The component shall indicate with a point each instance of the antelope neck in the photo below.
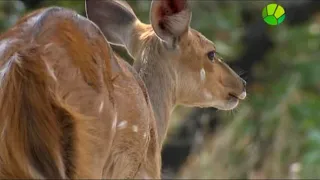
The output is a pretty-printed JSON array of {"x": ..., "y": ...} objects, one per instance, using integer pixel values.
[{"x": 159, "y": 77}]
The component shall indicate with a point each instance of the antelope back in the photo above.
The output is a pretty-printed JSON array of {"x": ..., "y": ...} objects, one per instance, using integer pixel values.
[{"x": 56, "y": 97}]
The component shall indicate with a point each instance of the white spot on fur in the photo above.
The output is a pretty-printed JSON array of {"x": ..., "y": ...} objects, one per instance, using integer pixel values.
[
  {"x": 243, "y": 95},
  {"x": 101, "y": 106},
  {"x": 202, "y": 74},
  {"x": 114, "y": 123},
  {"x": 6, "y": 67},
  {"x": 122, "y": 125},
  {"x": 51, "y": 72},
  {"x": 144, "y": 135},
  {"x": 81, "y": 17},
  {"x": 3, "y": 133},
  {"x": 34, "y": 19},
  {"x": 207, "y": 94},
  {"x": 135, "y": 128},
  {"x": 4, "y": 70},
  {"x": 3, "y": 46}
]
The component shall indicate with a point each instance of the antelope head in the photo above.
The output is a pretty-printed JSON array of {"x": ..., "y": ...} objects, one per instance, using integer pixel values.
[{"x": 198, "y": 76}]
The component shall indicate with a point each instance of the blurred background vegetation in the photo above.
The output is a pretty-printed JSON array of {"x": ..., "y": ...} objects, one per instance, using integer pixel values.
[{"x": 275, "y": 133}]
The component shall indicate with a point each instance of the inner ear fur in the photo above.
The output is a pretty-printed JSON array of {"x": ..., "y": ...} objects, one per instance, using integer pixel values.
[{"x": 170, "y": 19}]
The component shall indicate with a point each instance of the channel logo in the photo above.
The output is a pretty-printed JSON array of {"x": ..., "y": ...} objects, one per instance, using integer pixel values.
[{"x": 273, "y": 14}]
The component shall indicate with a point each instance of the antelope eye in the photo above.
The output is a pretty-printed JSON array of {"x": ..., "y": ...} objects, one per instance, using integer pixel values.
[{"x": 211, "y": 55}]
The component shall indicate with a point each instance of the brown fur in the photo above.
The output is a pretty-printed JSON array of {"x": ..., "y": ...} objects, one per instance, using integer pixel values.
[
  {"x": 71, "y": 108},
  {"x": 50, "y": 125},
  {"x": 63, "y": 92}
]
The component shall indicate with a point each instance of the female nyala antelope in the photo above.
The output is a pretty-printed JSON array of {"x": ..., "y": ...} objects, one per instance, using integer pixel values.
[{"x": 71, "y": 108}]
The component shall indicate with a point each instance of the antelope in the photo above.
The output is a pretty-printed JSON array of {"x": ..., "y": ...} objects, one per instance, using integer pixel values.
[{"x": 70, "y": 107}]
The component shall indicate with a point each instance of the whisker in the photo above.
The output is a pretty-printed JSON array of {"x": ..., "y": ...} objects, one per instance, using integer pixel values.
[
  {"x": 229, "y": 114},
  {"x": 241, "y": 72},
  {"x": 232, "y": 113}
]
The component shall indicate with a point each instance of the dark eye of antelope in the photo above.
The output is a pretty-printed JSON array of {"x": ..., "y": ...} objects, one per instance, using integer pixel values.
[{"x": 211, "y": 55}]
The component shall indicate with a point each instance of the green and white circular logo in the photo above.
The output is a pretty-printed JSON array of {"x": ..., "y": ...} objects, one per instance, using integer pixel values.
[{"x": 273, "y": 14}]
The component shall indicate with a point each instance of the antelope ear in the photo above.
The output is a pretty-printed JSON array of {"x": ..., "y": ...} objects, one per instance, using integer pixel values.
[
  {"x": 115, "y": 18},
  {"x": 170, "y": 19}
]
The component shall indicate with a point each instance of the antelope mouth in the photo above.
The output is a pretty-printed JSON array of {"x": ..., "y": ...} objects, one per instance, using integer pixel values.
[{"x": 233, "y": 96}]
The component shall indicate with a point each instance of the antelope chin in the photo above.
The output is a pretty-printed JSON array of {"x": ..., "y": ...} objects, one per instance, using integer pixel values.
[{"x": 227, "y": 104}]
